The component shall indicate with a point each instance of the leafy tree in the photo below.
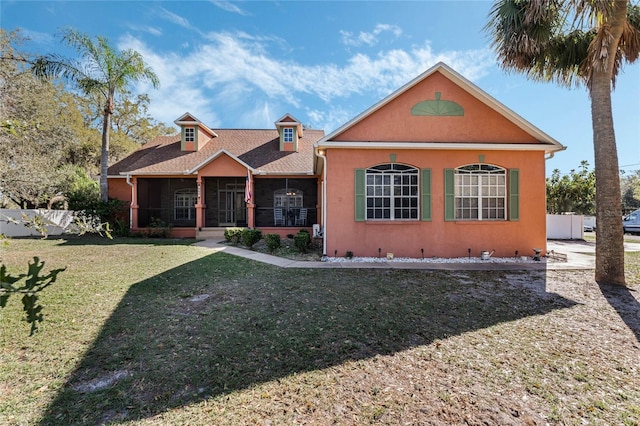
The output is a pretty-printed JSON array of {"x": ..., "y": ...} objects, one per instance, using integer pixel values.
[
  {"x": 630, "y": 187},
  {"x": 574, "y": 192},
  {"x": 39, "y": 131},
  {"x": 573, "y": 42},
  {"x": 101, "y": 71}
]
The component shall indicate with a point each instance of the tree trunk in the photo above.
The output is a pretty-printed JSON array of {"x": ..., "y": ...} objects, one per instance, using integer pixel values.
[
  {"x": 610, "y": 236},
  {"x": 104, "y": 158}
]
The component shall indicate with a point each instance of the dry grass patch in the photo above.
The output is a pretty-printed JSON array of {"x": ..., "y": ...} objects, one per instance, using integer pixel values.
[{"x": 140, "y": 332}]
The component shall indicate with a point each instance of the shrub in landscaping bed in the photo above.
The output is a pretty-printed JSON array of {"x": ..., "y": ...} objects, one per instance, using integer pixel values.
[
  {"x": 302, "y": 240},
  {"x": 272, "y": 241},
  {"x": 233, "y": 235},
  {"x": 250, "y": 236}
]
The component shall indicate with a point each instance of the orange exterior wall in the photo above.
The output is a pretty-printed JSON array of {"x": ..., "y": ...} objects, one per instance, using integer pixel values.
[
  {"x": 223, "y": 166},
  {"x": 394, "y": 122},
  {"x": 120, "y": 189},
  {"x": 437, "y": 237}
]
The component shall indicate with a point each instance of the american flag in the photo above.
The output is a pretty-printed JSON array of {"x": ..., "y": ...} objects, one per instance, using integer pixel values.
[{"x": 247, "y": 188}]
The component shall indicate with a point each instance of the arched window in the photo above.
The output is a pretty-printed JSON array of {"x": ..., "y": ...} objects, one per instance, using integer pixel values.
[
  {"x": 288, "y": 198},
  {"x": 392, "y": 192},
  {"x": 480, "y": 192},
  {"x": 184, "y": 204}
]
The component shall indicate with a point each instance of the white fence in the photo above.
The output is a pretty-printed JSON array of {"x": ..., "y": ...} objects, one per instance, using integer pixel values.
[
  {"x": 565, "y": 227},
  {"x": 12, "y": 225}
]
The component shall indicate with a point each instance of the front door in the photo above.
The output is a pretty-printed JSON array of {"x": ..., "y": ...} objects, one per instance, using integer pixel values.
[{"x": 233, "y": 209}]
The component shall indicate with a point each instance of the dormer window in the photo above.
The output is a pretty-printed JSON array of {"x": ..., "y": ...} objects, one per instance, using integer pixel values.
[
  {"x": 189, "y": 134},
  {"x": 287, "y": 134}
]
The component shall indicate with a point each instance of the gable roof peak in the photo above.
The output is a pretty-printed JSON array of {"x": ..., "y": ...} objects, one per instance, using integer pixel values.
[
  {"x": 466, "y": 85},
  {"x": 289, "y": 120},
  {"x": 190, "y": 120}
]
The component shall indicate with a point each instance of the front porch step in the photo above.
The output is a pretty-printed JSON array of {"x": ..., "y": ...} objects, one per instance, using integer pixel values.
[{"x": 210, "y": 234}]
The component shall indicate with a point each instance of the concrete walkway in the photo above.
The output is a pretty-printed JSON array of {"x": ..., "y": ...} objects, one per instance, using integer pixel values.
[{"x": 580, "y": 255}]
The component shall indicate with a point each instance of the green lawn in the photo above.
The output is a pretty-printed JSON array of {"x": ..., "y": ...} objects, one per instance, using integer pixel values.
[{"x": 162, "y": 332}]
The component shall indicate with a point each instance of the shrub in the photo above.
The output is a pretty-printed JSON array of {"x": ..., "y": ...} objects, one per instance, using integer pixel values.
[
  {"x": 302, "y": 240},
  {"x": 348, "y": 254},
  {"x": 250, "y": 236},
  {"x": 272, "y": 241},
  {"x": 233, "y": 235},
  {"x": 158, "y": 228}
]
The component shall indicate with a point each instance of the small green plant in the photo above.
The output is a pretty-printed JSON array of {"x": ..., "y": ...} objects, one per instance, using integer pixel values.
[
  {"x": 250, "y": 236},
  {"x": 302, "y": 240},
  {"x": 348, "y": 254},
  {"x": 272, "y": 241},
  {"x": 158, "y": 228},
  {"x": 233, "y": 235},
  {"x": 33, "y": 284}
]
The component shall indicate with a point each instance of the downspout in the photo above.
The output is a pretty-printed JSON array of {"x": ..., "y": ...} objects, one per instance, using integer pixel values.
[
  {"x": 320, "y": 153},
  {"x": 131, "y": 203}
]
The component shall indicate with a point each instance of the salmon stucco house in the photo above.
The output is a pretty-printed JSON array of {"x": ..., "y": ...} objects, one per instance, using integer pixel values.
[{"x": 437, "y": 168}]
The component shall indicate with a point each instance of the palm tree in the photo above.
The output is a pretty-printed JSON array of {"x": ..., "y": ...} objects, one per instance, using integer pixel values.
[
  {"x": 574, "y": 42},
  {"x": 100, "y": 71}
]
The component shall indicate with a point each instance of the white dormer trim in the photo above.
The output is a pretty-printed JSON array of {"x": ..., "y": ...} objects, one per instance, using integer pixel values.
[
  {"x": 293, "y": 122},
  {"x": 183, "y": 121}
]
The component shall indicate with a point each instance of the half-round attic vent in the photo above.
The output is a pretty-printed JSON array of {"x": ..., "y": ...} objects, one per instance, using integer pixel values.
[{"x": 437, "y": 107}]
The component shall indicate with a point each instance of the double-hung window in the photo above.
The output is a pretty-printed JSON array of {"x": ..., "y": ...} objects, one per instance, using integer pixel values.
[
  {"x": 185, "y": 202},
  {"x": 480, "y": 192},
  {"x": 392, "y": 192}
]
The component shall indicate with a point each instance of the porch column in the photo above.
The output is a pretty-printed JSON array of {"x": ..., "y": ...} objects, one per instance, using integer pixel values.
[
  {"x": 200, "y": 206},
  {"x": 133, "y": 220},
  {"x": 251, "y": 206}
]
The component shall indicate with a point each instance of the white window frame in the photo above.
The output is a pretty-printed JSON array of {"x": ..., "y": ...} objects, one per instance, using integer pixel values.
[
  {"x": 480, "y": 192},
  {"x": 392, "y": 192},
  {"x": 288, "y": 198},
  {"x": 184, "y": 207},
  {"x": 287, "y": 134},
  {"x": 189, "y": 134}
]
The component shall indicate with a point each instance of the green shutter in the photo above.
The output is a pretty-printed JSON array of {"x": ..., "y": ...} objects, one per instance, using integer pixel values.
[
  {"x": 181, "y": 138},
  {"x": 360, "y": 197},
  {"x": 426, "y": 194},
  {"x": 514, "y": 194},
  {"x": 449, "y": 195}
]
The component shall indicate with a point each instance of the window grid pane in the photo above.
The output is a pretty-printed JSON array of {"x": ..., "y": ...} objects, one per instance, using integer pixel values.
[
  {"x": 185, "y": 205},
  {"x": 480, "y": 192},
  {"x": 392, "y": 192}
]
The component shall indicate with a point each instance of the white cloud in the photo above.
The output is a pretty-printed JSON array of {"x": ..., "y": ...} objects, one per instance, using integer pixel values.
[
  {"x": 237, "y": 76},
  {"x": 369, "y": 38},
  {"x": 146, "y": 28},
  {"x": 38, "y": 37},
  {"x": 328, "y": 119},
  {"x": 228, "y": 6},
  {"x": 176, "y": 19}
]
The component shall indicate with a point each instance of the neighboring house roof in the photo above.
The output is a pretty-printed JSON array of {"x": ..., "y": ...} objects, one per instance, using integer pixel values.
[
  {"x": 259, "y": 150},
  {"x": 545, "y": 142}
]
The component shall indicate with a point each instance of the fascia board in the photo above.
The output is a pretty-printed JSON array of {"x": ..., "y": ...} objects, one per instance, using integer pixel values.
[{"x": 457, "y": 146}]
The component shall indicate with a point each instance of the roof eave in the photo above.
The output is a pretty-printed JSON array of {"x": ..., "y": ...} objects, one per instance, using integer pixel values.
[{"x": 456, "y": 146}]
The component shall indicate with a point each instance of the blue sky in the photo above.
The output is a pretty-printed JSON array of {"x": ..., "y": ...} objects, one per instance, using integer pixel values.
[{"x": 244, "y": 64}]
